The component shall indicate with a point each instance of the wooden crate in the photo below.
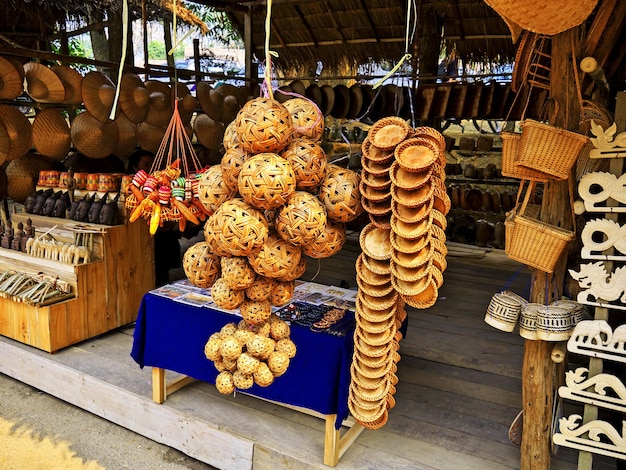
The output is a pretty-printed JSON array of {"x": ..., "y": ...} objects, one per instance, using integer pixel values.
[{"x": 108, "y": 290}]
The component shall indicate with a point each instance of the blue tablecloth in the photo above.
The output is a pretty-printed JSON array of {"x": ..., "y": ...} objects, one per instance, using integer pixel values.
[{"x": 171, "y": 335}]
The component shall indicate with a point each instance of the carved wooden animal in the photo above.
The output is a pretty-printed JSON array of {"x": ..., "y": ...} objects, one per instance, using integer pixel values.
[
  {"x": 61, "y": 205},
  {"x": 96, "y": 208},
  {"x": 71, "y": 211},
  {"x": 108, "y": 214},
  {"x": 599, "y": 284},
  {"x": 40, "y": 200},
  {"x": 29, "y": 203},
  {"x": 82, "y": 212},
  {"x": 48, "y": 206}
]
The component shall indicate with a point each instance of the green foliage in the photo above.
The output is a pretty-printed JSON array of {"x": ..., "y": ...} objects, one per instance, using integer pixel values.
[
  {"x": 220, "y": 28},
  {"x": 156, "y": 51},
  {"x": 78, "y": 47}
]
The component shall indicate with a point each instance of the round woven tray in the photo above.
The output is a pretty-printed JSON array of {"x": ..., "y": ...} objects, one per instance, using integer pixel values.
[
  {"x": 411, "y": 273},
  {"x": 416, "y": 154},
  {"x": 410, "y": 288},
  {"x": 409, "y": 179},
  {"x": 380, "y": 182},
  {"x": 430, "y": 133},
  {"x": 329, "y": 243},
  {"x": 377, "y": 208},
  {"x": 375, "y": 290},
  {"x": 201, "y": 265},
  {"x": 378, "y": 303},
  {"x": 411, "y": 214},
  {"x": 367, "y": 382},
  {"x": 376, "y": 168},
  {"x": 424, "y": 299},
  {"x": 263, "y": 125},
  {"x": 368, "y": 275},
  {"x": 302, "y": 219},
  {"x": 238, "y": 228},
  {"x": 380, "y": 221},
  {"x": 411, "y": 230},
  {"x": 375, "y": 242},
  {"x": 388, "y": 132},
  {"x": 414, "y": 197},
  {"x": 213, "y": 190},
  {"x": 374, "y": 315},
  {"x": 375, "y": 154},
  {"x": 339, "y": 192},
  {"x": 308, "y": 161},
  {"x": 266, "y": 181},
  {"x": 376, "y": 266},
  {"x": 374, "y": 362},
  {"x": 276, "y": 258}
]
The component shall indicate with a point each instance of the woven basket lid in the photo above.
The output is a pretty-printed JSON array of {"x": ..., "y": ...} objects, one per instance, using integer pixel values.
[
  {"x": 308, "y": 161},
  {"x": 16, "y": 135},
  {"x": 376, "y": 265},
  {"x": 92, "y": 137},
  {"x": 376, "y": 290},
  {"x": 11, "y": 79},
  {"x": 374, "y": 167},
  {"x": 411, "y": 214},
  {"x": 416, "y": 154},
  {"x": 127, "y": 136},
  {"x": 424, "y": 299},
  {"x": 42, "y": 84},
  {"x": 379, "y": 303},
  {"x": 379, "y": 209},
  {"x": 329, "y": 243},
  {"x": 302, "y": 219},
  {"x": 150, "y": 137},
  {"x": 161, "y": 108},
  {"x": 315, "y": 94},
  {"x": 376, "y": 339},
  {"x": 341, "y": 106},
  {"x": 51, "y": 134},
  {"x": 411, "y": 230},
  {"x": 23, "y": 173},
  {"x": 328, "y": 99},
  {"x": 306, "y": 118},
  {"x": 98, "y": 95},
  {"x": 134, "y": 98},
  {"x": 369, "y": 276},
  {"x": 544, "y": 17},
  {"x": 401, "y": 244},
  {"x": 388, "y": 132},
  {"x": 409, "y": 179},
  {"x": 276, "y": 258},
  {"x": 263, "y": 125},
  {"x": 411, "y": 273},
  {"x": 210, "y": 133},
  {"x": 72, "y": 82},
  {"x": 375, "y": 242}
]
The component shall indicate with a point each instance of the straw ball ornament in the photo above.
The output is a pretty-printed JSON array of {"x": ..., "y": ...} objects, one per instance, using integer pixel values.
[
  {"x": 296, "y": 271},
  {"x": 263, "y": 125},
  {"x": 127, "y": 136},
  {"x": 339, "y": 192},
  {"x": 239, "y": 229},
  {"x": 212, "y": 349},
  {"x": 302, "y": 219},
  {"x": 213, "y": 190},
  {"x": 329, "y": 243},
  {"x": 230, "y": 348},
  {"x": 225, "y": 297},
  {"x": 134, "y": 98},
  {"x": 262, "y": 329},
  {"x": 11, "y": 79},
  {"x": 282, "y": 293},
  {"x": 242, "y": 381},
  {"x": 16, "y": 133},
  {"x": 72, "y": 82},
  {"x": 201, "y": 265},
  {"x": 98, "y": 92},
  {"x": 278, "y": 362},
  {"x": 229, "y": 329},
  {"x": 263, "y": 376},
  {"x": 260, "y": 289},
  {"x": 224, "y": 383},
  {"x": 209, "y": 132},
  {"x": 308, "y": 161},
  {"x": 231, "y": 164},
  {"x": 92, "y": 137},
  {"x": 306, "y": 118},
  {"x": 266, "y": 181},
  {"x": 276, "y": 258},
  {"x": 23, "y": 174},
  {"x": 287, "y": 346},
  {"x": 279, "y": 330},
  {"x": 160, "y": 103},
  {"x": 255, "y": 312},
  {"x": 237, "y": 272},
  {"x": 42, "y": 84},
  {"x": 247, "y": 364},
  {"x": 243, "y": 333}
]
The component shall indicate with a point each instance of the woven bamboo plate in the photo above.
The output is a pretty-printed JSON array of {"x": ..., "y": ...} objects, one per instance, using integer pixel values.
[
  {"x": 409, "y": 245},
  {"x": 375, "y": 290},
  {"x": 416, "y": 154},
  {"x": 410, "y": 288},
  {"x": 378, "y": 303},
  {"x": 411, "y": 230},
  {"x": 373, "y": 372},
  {"x": 413, "y": 197},
  {"x": 375, "y": 326},
  {"x": 374, "y": 181},
  {"x": 432, "y": 134},
  {"x": 388, "y": 132},
  {"x": 411, "y": 214},
  {"x": 424, "y": 299},
  {"x": 411, "y": 273},
  {"x": 381, "y": 221},
  {"x": 375, "y": 242},
  {"x": 377, "y": 208},
  {"x": 368, "y": 275},
  {"x": 375, "y": 154},
  {"x": 375, "y": 314},
  {"x": 409, "y": 179},
  {"x": 371, "y": 395},
  {"x": 368, "y": 382},
  {"x": 374, "y": 194},
  {"x": 439, "y": 219},
  {"x": 377, "y": 266},
  {"x": 376, "y": 168},
  {"x": 376, "y": 339},
  {"x": 441, "y": 200}
]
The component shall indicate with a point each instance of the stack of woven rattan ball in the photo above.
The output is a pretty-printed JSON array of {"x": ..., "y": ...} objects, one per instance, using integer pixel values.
[
  {"x": 274, "y": 200},
  {"x": 403, "y": 254}
]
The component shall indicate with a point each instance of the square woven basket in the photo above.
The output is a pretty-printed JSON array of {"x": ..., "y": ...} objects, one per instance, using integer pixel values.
[{"x": 510, "y": 160}]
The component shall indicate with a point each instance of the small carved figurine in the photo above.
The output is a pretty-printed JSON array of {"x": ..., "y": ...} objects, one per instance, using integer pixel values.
[
  {"x": 61, "y": 205},
  {"x": 7, "y": 236},
  {"x": 96, "y": 208},
  {"x": 17, "y": 238},
  {"x": 48, "y": 206}
]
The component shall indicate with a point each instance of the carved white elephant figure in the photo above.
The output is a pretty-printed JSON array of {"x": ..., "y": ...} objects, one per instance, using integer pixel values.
[
  {"x": 596, "y": 332},
  {"x": 619, "y": 337}
]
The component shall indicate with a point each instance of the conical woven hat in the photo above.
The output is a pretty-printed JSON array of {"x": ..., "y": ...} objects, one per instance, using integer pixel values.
[
  {"x": 128, "y": 139},
  {"x": 51, "y": 134},
  {"x": 187, "y": 103},
  {"x": 356, "y": 101},
  {"x": 72, "y": 81},
  {"x": 150, "y": 137},
  {"x": 42, "y": 84},
  {"x": 11, "y": 79},
  {"x": 210, "y": 100},
  {"x": 134, "y": 98},
  {"x": 314, "y": 93},
  {"x": 18, "y": 130},
  {"x": 342, "y": 102},
  {"x": 209, "y": 132},
  {"x": 92, "y": 137},
  {"x": 328, "y": 99},
  {"x": 160, "y": 103},
  {"x": 5, "y": 143},
  {"x": 98, "y": 94}
]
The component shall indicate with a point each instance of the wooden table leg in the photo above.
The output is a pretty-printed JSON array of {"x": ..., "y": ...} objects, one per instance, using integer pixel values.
[
  {"x": 158, "y": 385},
  {"x": 335, "y": 445}
]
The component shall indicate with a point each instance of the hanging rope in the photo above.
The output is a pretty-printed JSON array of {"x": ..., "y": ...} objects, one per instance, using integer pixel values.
[
  {"x": 120, "y": 71},
  {"x": 268, "y": 54}
]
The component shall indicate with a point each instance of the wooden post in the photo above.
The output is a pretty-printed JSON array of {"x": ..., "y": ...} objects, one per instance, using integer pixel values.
[{"x": 537, "y": 370}]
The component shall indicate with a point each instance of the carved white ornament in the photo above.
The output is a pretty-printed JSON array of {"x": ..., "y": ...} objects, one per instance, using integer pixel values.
[
  {"x": 595, "y": 338},
  {"x": 597, "y": 187},
  {"x": 593, "y": 391},
  {"x": 600, "y": 287},
  {"x": 610, "y": 234},
  {"x": 595, "y": 436},
  {"x": 606, "y": 143}
]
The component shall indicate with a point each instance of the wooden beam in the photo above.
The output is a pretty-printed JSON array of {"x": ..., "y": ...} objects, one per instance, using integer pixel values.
[
  {"x": 370, "y": 20},
  {"x": 306, "y": 24}
]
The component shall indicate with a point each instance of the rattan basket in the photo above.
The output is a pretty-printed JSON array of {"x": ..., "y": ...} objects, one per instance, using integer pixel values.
[
  {"x": 510, "y": 158},
  {"x": 549, "y": 149},
  {"x": 263, "y": 125},
  {"x": 503, "y": 312},
  {"x": 201, "y": 265}
]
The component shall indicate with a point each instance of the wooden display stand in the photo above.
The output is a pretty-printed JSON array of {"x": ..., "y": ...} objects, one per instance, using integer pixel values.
[{"x": 107, "y": 291}]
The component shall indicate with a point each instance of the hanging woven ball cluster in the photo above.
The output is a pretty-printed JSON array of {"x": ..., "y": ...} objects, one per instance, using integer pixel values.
[{"x": 273, "y": 201}]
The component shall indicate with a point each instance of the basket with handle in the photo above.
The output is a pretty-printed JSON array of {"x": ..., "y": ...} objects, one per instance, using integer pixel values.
[
  {"x": 531, "y": 241},
  {"x": 510, "y": 159}
]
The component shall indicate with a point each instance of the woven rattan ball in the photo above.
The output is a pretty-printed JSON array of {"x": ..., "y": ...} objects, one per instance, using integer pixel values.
[
  {"x": 278, "y": 362},
  {"x": 329, "y": 243},
  {"x": 201, "y": 265},
  {"x": 213, "y": 190},
  {"x": 282, "y": 292},
  {"x": 225, "y": 297},
  {"x": 212, "y": 349},
  {"x": 227, "y": 330},
  {"x": 257, "y": 346},
  {"x": 231, "y": 164},
  {"x": 242, "y": 381},
  {"x": 237, "y": 272},
  {"x": 243, "y": 335},
  {"x": 255, "y": 312},
  {"x": 247, "y": 364},
  {"x": 297, "y": 271},
  {"x": 287, "y": 346},
  {"x": 306, "y": 118},
  {"x": 279, "y": 329},
  {"x": 263, "y": 125},
  {"x": 229, "y": 364},
  {"x": 260, "y": 289},
  {"x": 210, "y": 238},
  {"x": 340, "y": 194},
  {"x": 276, "y": 258},
  {"x": 263, "y": 376},
  {"x": 266, "y": 181},
  {"x": 224, "y": 383},
  {"x": 239, "y": 229},
  {"x": 219, "y": 365},
  {"x": 302, "y": 219},
  {"x": 262, "y": 329},
  {"x": 308, "y": 161},
  {"x": 230, "y": 348},
  {"x": 230, "y": 140}
]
